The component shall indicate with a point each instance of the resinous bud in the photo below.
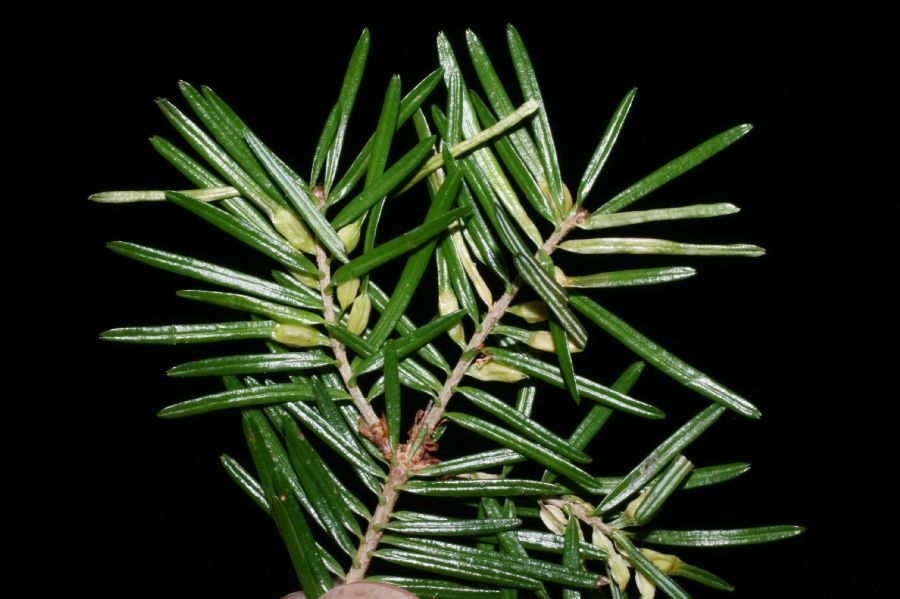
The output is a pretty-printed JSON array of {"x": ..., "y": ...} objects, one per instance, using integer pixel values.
[
  {"x": 531, "y": 312},
  {"x": 447, "y": 304},
  {"x": 346, "y": 292},
  {"x": 349, "y": 235},
  {"x": 491, "y": 371},
  {"x": 554, "y": 519},
  {"x": 293, "y": 229},
  {"x": 298, "y": 335},
  {"x": 359, "y": 314},
  {"x": 543, "y": 341}
]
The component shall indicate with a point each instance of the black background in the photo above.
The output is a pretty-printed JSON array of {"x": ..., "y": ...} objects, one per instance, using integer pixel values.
[{"x": 114, "y": 500}]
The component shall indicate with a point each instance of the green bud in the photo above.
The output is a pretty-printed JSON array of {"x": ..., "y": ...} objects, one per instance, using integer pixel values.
[
  {"x": 306, "y": 280},
  {"x": 359, "y": 314},
  {"x": 298, "y": 335},
  {"x": 346, "y": 292},
  {"x": 349, "y": 235},
  {"x": 293, "y": 229},
  {"x": 554, "y": 519},
  {"x": 543, "y": 341},
  {"x": 491, "y": 371},
  {"x": 645, "y": 586},
  {"x": 531, "y": 312},
  {"x": 447, "y": 304}
]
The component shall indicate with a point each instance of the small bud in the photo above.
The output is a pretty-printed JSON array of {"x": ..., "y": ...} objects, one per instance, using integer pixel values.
[
  {"x": 349, "y": 235},
  {"x": 598, "y": 539},
  {"x": 567, "y": 198},
  {"x": 645, "y": 586},
  {"x": 561, "y": 277},
  {"x": 491, "y": 371},
  {"x": 554, "y": 519},
  {"x": 618, "y": 567},
  {"x": 346, "y": 292},
  {"x": 633, "y": 506},
  {"x": 543, "y": 341},
  {"x": 447, "y": 304},
  {"x": 359, "y": 314},
  {"x": 666, "y": 562},
  {"x": 298, "y": 335},
  {"x": 532, "y": 312},
  {"x": 293, "y": 229},
  {"x": 306, "y": 280}
]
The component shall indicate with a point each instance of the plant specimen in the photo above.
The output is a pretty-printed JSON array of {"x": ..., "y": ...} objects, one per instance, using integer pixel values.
[{"x": 346, "y": 410}]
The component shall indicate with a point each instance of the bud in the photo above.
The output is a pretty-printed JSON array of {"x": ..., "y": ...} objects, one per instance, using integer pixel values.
[
  {"x": 306, "y": 280},
  {"x": 561, "y": 277},
  {"x": 633, "y": 506},
  {"x": 531, "y": 312},
  {"x": 349, "y": 235},
  {"x": 666, "y": 562},
  {"x": 543, "y": 341},
  {"x": 293, "y": 229},
  {"x": 491, "y": 371},
  {"x": 346, "y": 292},
  {"x": 359, "y": 314},
  {"x": 567, "y": 198},
  {"x": 554, "y": 519},
  {"x": 598, "y": 539},
  {"x": 447, "y": 304},
  {"x": 618, "y": 567},
  {"x": 645, "y": 586},
  {"x": 298, "y": 335}
]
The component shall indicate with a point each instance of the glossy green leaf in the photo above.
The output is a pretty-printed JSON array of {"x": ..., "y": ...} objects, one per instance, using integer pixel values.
[
  {"x": 522, "y": 424},
  {"x": 676, "y": 167},
  {"x": 245, "y": 481},
  {"x": 408, "y": 106},
  {"x": 208, "y": 194},
  {"x": 471, "y": 463},
  {"x": 511, "y": 564},
  {"x": 275, "y": 248},
  {"x": 486, "y": 246},
  {"x": 660, "y": 457},
  {"x": 483, "y": 159},
  {"x": 667, "y": 483},
  {"x": 682, "y": 372},
  {"x": 646, "y": 567},
  {"x": 412, "y": 273},
  {"x": 392, "y": 393},
  {"x": 514, "y": 162},
  {"x": 501, "y": 103},
  {"x": 300, "y": 198},
  {"x": 561, "y": 339},
  {"x": 253, "y": 364},
  {"x": 588, "y": 389},
  {"x": 713, "y": 475},
  {"x": 409, "y": 370},
  {"x": 314, "y": 578},
  {"x": 409, "y": 343},
  {"x": 453, "y": 528},
  {"x": 553, "y": 295},
  {"x": 529, "y": 449},
  {"x": 620, "y": 219},
  {"x": 471, "y": 569},
  {"x": 349, "y": 87},
  {"x": 543, "y": 137},
  {"x": 720, "y": 538},
  {"x": 245, "y": 303},
  {"x": 399, "y": 245},
  {"x": 551, "y": 543},
  {"x": 379, "y": 188},
  {"x": 307, "y": 463},
  {"x": 633, "y": 245},
  {"x": 333, "y": 437},
  {"x": 597, "y": 416},
  {"x": 437, "y": 589},
  {"x": 481, "y": 488},
  {"x": 326, "y": 140},
  {"x": 604, "y": 148},
  {"x": 571, "y": 556},
  {"x": 218, "y": 158},
  {"x": 629, "y": 278},
  {"x": 230, "y": 140},
  {"x": 242, "y": 398},
  {"x": 702, "y": 576},
  {"x": 509, "y": 543},
  {"x": 404, "y": 325},
  {"x": 192, "y": 333},
  {"x": 211, "y": 273}
]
